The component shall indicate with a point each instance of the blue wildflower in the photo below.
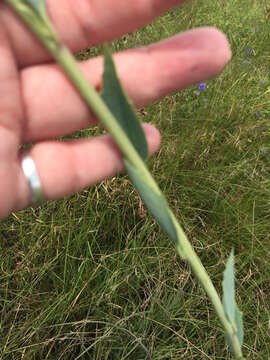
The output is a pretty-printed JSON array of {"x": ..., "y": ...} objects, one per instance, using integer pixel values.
[
  {"x": 265, "y": 151},
  {"x": 201, "y": 86},
  {"x": 257, "y": 113},
  {"x": 205, "y": 100},
  {"x": 248, "y": 50}
]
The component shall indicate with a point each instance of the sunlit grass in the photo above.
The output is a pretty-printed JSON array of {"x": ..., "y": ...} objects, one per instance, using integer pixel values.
[{"x": 93, "y": 277}]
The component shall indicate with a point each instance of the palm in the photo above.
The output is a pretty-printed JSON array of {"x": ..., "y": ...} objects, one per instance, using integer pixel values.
[{"x": 38, "y": 103}]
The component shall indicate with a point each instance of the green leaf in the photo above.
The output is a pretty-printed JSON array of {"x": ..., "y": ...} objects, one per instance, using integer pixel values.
[
  {"x": 154, "y": 201},
  {"x": 38, "y": 5},
  {"x": 229, "y": 289},
  {"x": 230, "y": 307},
  {"x": 117, "y": 101},
  {"x": 239, "y": 325}
]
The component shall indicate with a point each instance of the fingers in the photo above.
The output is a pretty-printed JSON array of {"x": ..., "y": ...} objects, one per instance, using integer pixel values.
[
  {"x": 83, "y": 23},
  {"x": 10, "y": 124},
  {"x": 67, "y": 167},
  {"x": 147, "y": 74}
]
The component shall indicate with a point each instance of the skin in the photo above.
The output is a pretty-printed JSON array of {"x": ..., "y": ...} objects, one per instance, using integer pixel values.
[{"x": 38, "y": 103}]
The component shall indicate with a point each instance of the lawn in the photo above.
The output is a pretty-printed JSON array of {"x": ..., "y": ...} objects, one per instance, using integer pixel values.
[{"x": 93, "y": 276}]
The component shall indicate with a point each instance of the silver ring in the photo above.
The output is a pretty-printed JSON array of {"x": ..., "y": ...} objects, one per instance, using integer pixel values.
[{"x": 30, "y": 172}]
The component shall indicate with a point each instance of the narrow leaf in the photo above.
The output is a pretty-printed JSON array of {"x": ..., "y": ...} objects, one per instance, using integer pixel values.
[
  {"x": 117, "y": 101},
  {"x": 38, "y": 5},
  {"x": 231, "y": 309},
  {"x": 155, "y": 202},
  {"x": 229, "y": 290},
  {"x": 239, "y": 325}
]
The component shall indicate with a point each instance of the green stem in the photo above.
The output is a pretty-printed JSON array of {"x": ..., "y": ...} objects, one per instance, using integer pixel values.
[
  {"x": 68, "y": 63},
  {"x": 201, "y": 274}
]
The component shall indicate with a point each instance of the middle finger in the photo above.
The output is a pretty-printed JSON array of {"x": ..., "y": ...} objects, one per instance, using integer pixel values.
[{"x": 147, "y": 74}]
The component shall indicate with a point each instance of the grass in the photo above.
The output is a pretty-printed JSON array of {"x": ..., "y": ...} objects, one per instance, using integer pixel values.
[{"x": 93, "y": 277}]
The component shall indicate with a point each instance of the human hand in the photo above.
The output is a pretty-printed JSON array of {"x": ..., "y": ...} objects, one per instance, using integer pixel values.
[{"x": 38, "y": 103}]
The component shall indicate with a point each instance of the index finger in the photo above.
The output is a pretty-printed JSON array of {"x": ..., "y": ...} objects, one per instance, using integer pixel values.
[{"x": 82, "y": 23}]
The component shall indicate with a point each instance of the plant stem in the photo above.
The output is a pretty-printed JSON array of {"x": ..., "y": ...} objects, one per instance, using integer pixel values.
[
  {"x": 206, "y": 283},
  {"x": 69, "y": 64}
]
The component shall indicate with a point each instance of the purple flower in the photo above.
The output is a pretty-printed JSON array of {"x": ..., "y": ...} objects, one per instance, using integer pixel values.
[
  {"x": 263, "y": 82},
  {"x": 257, "y": 113},
  {"x": 247, "y": 60},
  {"x": 248, "y": 50},
  {"x": 201, "y": 86},
  {"x": 205, "y": 100},
  {"x": 265, "y": 151}
]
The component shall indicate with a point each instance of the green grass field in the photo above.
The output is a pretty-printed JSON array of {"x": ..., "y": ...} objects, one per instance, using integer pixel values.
[{"x": 93, "y": 277}]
